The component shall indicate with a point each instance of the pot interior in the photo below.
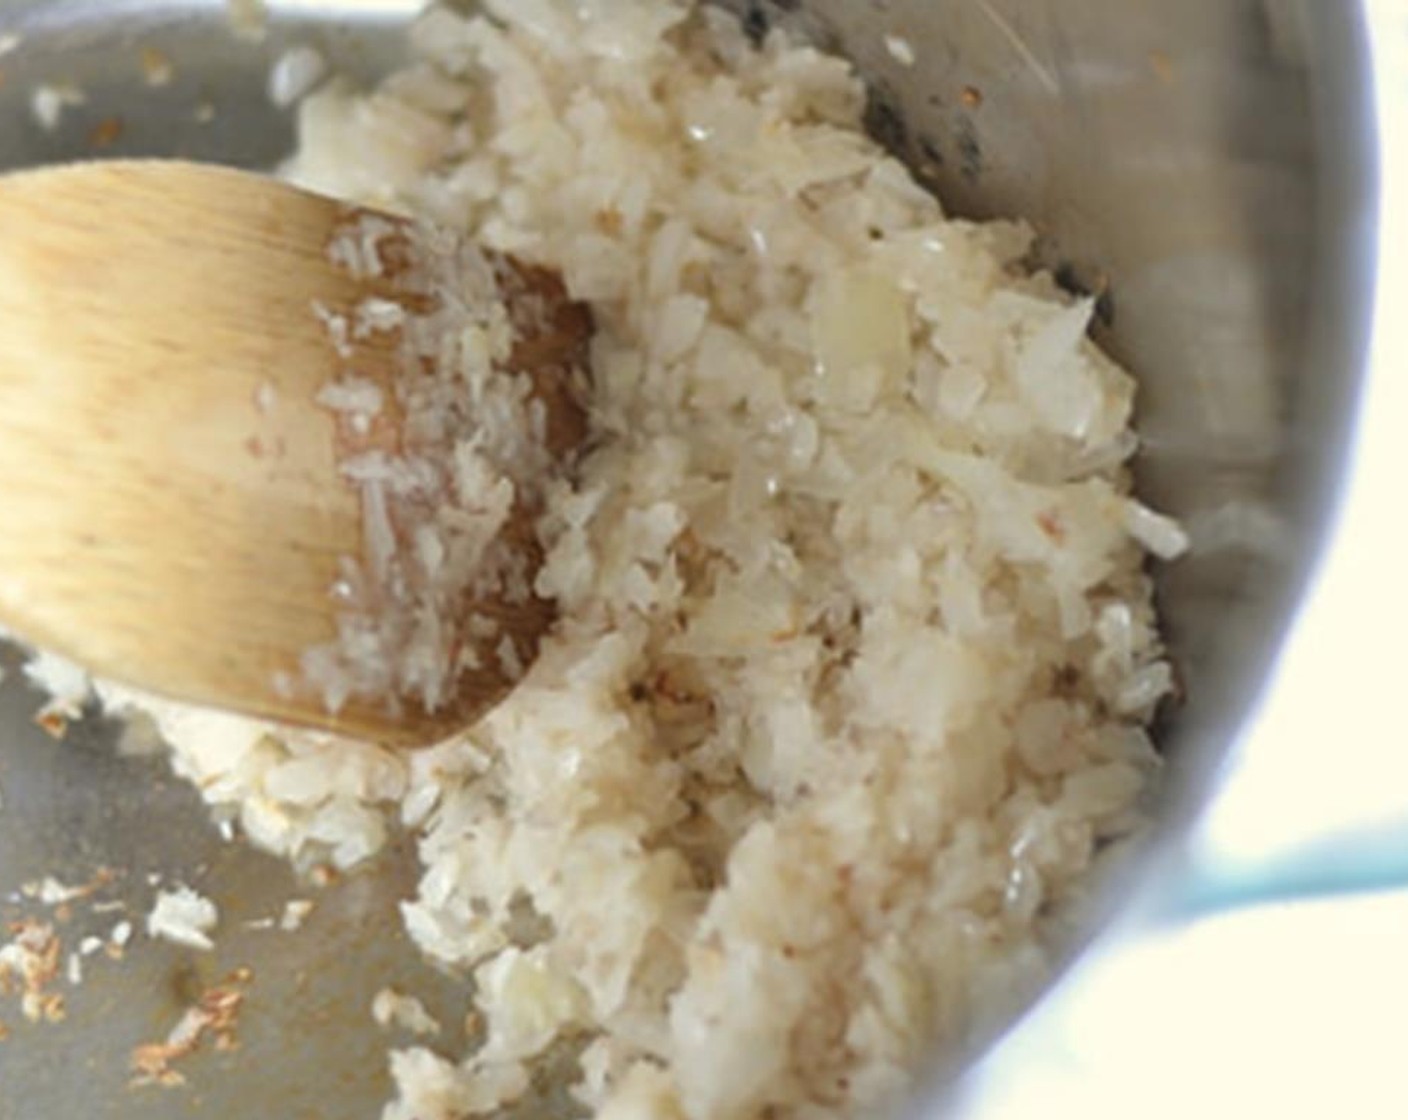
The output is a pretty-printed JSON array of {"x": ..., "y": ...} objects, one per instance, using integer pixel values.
[{"x": 1201, "y": 167}]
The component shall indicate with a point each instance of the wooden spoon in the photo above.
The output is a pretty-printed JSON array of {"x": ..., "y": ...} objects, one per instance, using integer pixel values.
[{"x": 174, "y": 515}]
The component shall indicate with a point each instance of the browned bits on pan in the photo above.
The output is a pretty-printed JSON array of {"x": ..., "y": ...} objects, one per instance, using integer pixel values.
[
  {"x": 30, "y": 965},
  {"x": 53, "y": 723},
  {"x": 972, "y": 97},
  {"x": 106, "y": 133},
  {"x": 157, "y": 69},
  {"x": 213, "y": 1016}
]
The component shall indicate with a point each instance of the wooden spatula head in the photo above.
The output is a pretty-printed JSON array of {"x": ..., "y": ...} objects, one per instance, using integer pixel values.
[{"x": 176, "y": 514}]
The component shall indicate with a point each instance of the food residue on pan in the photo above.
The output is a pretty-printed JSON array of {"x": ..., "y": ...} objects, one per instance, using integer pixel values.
[
  {"x": 391, "y": 1008},
  {"x": 30, "y": 966},
  {"x": 50, "y": 891},
  {"x": 49, "y": 100},
  {"x": 185, "y": 917},
  {"x": 118, "y": 940},
  {"x": 213, "y": 1019},
  {"x": 157, "y": 68},
  {"x": 106, "y": 133},
  {"x": 856, "y": 655},
  {"x": 1162, "y": 66},
  {"x": 50, "y": 949},
  {"x": 66, "y": 686},
  {"x": 248, "y": 19},
  {"x": 900, "y": 49},
  {"x": 295, "y": 74},
  {"x": 296, "y": 912}
]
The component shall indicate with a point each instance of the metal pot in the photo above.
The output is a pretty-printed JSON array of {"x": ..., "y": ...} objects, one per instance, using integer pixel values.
[{"x": 1206, "y": 167}]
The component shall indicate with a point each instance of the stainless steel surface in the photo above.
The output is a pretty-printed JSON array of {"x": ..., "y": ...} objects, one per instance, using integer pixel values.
[{"x": 1206, "y": 165}]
